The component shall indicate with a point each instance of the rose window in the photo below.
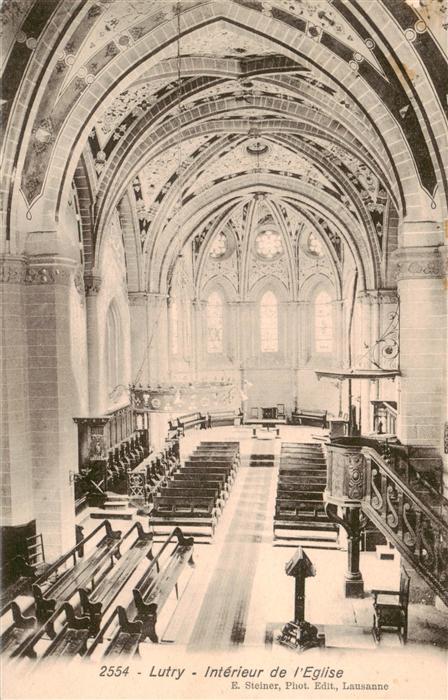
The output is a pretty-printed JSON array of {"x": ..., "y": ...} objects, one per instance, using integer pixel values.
[
  {"x": 268, "y": 244},
  {"x": 315, "y": 245},
  {"x": 219, "y": 246}
]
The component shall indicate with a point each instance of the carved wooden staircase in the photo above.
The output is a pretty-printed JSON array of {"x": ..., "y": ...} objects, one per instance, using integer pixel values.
[{"x": 413, "y": 519}]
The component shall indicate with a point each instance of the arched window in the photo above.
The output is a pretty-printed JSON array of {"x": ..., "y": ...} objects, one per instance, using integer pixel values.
[
  {"x": 215, "y": 323},
  {"x": 113, "y": 345},
  {"x": 323, "y": 323},
  {"x": 269, "y": 322}
]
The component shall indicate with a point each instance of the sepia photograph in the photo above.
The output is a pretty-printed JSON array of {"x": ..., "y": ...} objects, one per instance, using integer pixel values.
[{"x": 224, "y": 391}]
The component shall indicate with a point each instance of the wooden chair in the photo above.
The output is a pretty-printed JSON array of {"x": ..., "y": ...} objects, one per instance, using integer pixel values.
[{"x": 390, "y": 609}]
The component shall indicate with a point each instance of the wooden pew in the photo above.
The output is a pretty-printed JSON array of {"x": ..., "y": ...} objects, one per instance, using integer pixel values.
[
  {"x": 197, "y": 511},
  {"x": 191, "y": 420},
  {"x": 49, "y": 594},
  {"x": 27, "y": 648},
  {"x": 209, "y": 456},
  {"x": 302, "y": 416},
  {"x": 215, "y": 480},
  {"x": 138, "y": 620},
  {"x": 201, "y": 471},
  {"x": 215, "y": 418},
  {"x": 72, "y": 637},
  {"x": 219, "y": 487},
  {"x": 96, "y": 602},
  {"x": 291, "y": 514},
  {"x": 183, "y": 492},
  {"x": 21, "y": 628}
]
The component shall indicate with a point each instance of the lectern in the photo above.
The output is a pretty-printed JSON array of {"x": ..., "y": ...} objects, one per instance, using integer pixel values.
[{"x": 300, "y": 634}]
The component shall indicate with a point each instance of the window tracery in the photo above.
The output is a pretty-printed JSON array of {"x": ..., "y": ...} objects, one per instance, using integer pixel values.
[
  {"x": 268, "y": 244},
  {"x": 219, "y": 246},
  {"x": 314, "y": 246}
]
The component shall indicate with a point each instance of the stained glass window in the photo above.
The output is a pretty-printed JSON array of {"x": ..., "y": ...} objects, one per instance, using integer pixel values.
[
  {"x": 215, "y": 323},
  {"x": 269, "y": 322},
  {"x": 323, "y": 323},
  {"x": 268, "y": 244},
  {"x": 174, "y": 327}
]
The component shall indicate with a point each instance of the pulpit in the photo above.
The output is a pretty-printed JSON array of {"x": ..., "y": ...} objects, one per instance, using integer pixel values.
[{"x": 343, "y": 494}]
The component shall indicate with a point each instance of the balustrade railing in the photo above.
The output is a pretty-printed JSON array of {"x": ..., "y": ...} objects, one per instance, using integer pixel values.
[{"x": 419, "y": 532}]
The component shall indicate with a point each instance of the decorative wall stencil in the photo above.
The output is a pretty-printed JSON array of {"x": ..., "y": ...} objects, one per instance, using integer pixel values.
[
  {"x": 384, "y": 352},
  {"x": 261, "y": 268},
  {"x": 183, "y": 398},
  {"x": 48, "y": 274},
  {"x": 12, "y": 269},
  {"x": 216, "y": 268},
  {"x": 309, "y": 263}
]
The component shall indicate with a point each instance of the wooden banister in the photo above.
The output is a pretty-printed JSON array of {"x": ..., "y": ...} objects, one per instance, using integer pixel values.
[{"x": 419, "y": 533}]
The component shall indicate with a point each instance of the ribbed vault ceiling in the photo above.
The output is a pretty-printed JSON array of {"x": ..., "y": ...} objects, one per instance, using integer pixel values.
[{"x": 158, "y": 102}]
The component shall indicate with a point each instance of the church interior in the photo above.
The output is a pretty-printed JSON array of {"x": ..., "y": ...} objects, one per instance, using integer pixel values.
[{"x": 224, "y": 326}]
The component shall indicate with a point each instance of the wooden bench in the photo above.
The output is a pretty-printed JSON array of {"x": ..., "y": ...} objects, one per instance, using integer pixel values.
[
  {"x": 48, "y": 594},
  {"x": 21, "y": 628},
  {"x": 72, "y": 638},
  {"x": 27, "y": 648},
  {"x": 138, "y": 620},
  {"x": 305, "y": 482},
  {"x": 191, "y": 420},
  {"x": 94, "y": 603},
  {"x": 220, "y": 487},
  {"x": 215, "y": 446},
  {"x": 215, "y": 480},
  {"x": 198, "y": 512},
  {"x": 209, "y": 472},
  {"x": 303, "y": 416},
  {"x": 195, "y": 506},
  {"x": 298, "y": 511},
  {"x": 215, "y": 418}
]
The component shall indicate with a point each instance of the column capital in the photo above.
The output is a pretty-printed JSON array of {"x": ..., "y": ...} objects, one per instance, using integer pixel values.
[
  {"x": 420, "y": 262},
  {"x": 50, "y": 269},
  {"x": 137, "y": 298},
  {"x": 12, "y": 269},
  {"x": 157, "y": 295},
  {"x": 92, "y": 283},
  {"x": 374, "y": 296}
]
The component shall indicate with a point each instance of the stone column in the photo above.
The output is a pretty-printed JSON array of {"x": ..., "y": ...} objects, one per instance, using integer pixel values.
[
  {"x": 53, "y": 399},
  {"x": 421, "y": 276},
  {"x": 92, "y": 283},
  {"x": 17, "y": 507},
  {"x": 199, "y": 335},
  {"x": 158, "y": 348},
  {"x": 139, "y": 337}
]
